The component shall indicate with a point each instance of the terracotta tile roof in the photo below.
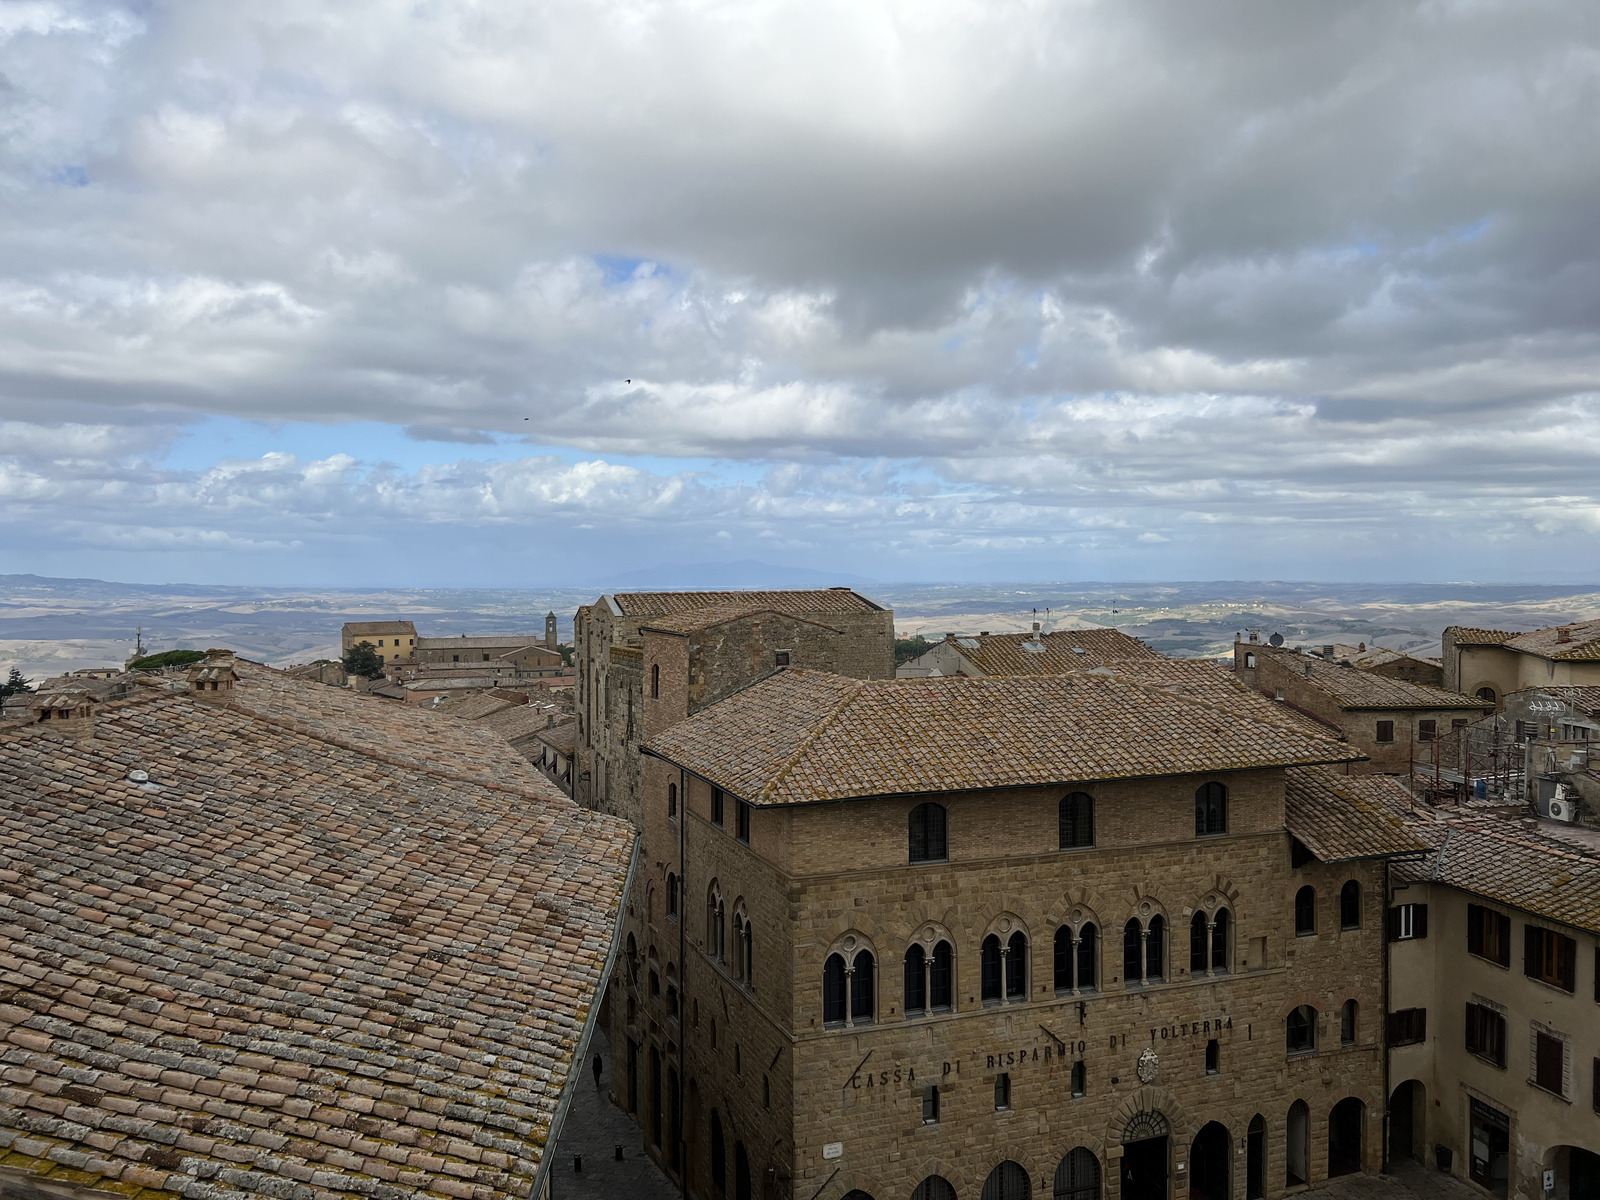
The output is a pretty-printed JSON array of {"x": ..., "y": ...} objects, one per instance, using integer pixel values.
[
  {"x": 1343, "y": 817},
  {"x": 1512, "y": 862},
  {"x": 812, "y": 600},
  {"x": 362, "y": 628},
  {"x": 474, "y": 707},
  {"x": 1351, "y": 687},
  {"x": 1583, "y": 640},
  {"x": 288, "y": 964},
  {"x": 496, "y": 642},
  {"x": 562, "y": 737},
  {"x": 1010, "y": 653},
  {"x": 518, "y": 721},
  {"x": 800, "y": 737},
  {"x": 1466, "y": 635},
  {"x": 1207, "y": 679},
  {"x": 696, "y": 619}
]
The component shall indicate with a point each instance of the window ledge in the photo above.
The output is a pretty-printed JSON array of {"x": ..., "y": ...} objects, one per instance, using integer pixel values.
[
  {"x": 1539, "y": 1087},
  {"x": 1310, "y": 1052}
]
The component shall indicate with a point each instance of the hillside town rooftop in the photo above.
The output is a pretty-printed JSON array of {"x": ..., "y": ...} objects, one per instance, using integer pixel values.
[
  {"x": 812, "y": 600},
  {"x": 296, "y": 945},
  {"x": 799, "y": 737}
]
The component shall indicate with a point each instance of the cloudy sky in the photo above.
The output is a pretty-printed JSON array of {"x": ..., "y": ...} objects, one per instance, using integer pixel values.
[{"x": 500, "y": 292}]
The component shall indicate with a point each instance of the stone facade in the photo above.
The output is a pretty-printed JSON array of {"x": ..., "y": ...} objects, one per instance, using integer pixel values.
[
  {"x": 394, "y": 641},
  {"x": 819, "y": 1109},
  {"x": 693, "y": 649},
  {"x": 1388, "y": 719},
  {"x": 1491, "y": 663}
]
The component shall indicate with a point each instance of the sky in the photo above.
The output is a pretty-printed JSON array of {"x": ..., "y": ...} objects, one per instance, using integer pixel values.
[{"x": 433, "y": 293}]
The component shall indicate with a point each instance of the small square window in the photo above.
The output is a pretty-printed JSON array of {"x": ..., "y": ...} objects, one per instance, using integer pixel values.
[
  {"x": 1385, "y": 731},
  {"x": 781, "y": 658},
  {"x": 1427, "y": 730}
]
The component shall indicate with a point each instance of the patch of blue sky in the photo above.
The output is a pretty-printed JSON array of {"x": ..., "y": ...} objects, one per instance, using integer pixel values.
[
  {"x": 70, "y": 176},
  {"x": 617, "y": 269}
]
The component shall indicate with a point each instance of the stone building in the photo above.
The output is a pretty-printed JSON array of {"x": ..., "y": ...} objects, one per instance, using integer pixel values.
[
  {"x": 1033, "y": 653},
  {"x": 524, "y": 654},
  {"x": 1391, "y": 721},
  {"x": 659, "y": 656},
  {"x": 393, "y": 640},
  {"x": 1488, "y": 663},
  {"x": 1495, "y": 1039},
  {"x": 1071, "y": 936}
]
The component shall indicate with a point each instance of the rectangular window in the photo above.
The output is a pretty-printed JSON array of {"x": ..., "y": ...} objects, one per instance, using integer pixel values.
[
  {"x": 1213, "y": 1057},
  {"x": 1427, "y": 730},
  {"x": 930, "y": 1106},
  {"x": 1550, "y": 957},
  {"x": 744, "y": 822},
  {"x": 1486, "y": 1034},
  {"x": 1385, "y": 731},
  {"x": 1458, "y": 723},
  {"x": 1407, "y": 921},
  {"x": 781, "y": 658},
  {"x": 716, "y": 807},
  {"x": 1080, "y": 1079},
  {"x": 1002, "y": 1092},
  {"x": 1408, "y": 1026},
  {"x": 1548, "y": 1055},
  {"x": 1489, "y": 934}
]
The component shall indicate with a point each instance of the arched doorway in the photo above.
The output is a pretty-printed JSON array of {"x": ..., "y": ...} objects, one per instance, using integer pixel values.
[
  {"x": 1008, "y": 1181},
  {"x": 857, "y": 1194},
  {"x": 1209, "y": 1167},
  {"x": 741, "y": 1172},
  {"x": 934, "y": 1187},
  {"x": 1145, "y": 1155},
  {"x": 1408, "y": 1107},
  {"x": 1255, "y": 1159},
  {"x": 1297, "y": 1149},
  {"x": 1577, "y": 1173},
  {"x": 1344, "y": 1136}
]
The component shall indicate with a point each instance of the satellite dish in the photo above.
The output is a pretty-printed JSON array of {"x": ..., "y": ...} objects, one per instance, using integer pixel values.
[{"x": 1276, "y": 639}]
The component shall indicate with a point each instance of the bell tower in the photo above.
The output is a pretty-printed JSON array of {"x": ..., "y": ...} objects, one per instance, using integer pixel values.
[{"x": 550, "y": 631}]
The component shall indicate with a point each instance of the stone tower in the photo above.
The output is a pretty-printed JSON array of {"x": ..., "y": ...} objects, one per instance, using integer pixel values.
[{"x": 550, "y": 631}]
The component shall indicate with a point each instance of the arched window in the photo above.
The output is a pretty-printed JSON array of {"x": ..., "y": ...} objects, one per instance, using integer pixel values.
[
  {"x": 1347, "y": 1023},
  {"x": 862, "y": 989},
  {"x": 1208, "y": 941},
  {"x": 916, "y": 999},
  {"x": 834, "y": 1009},
  {"x": 672, "y": 896},
  {"x": 1088, "y": 957},
  {"x": 1076, "y": 820},
  {"x": 633, "y": 959},
  {"x": 1486, "y": 694},
  {"x": 1017, "y": 967},
  {"x": 1063, "y": 959},
  {"x": 1301, "y": 1030},
  {"x": 1297, "y": 1149},
  {"x": 719, "y": 1153},
  {"x": 942, "y": 978},
  {"x": 1008, "y": 1181},
  {"x": 1133, "y": 952},
  {"x": 927, "y": 833},
  {"x": 715, "y": 921},
  {"x": 672, "y": 800},
  {"x": 934, "y": 1187},
  {"x": 1255, "y": 1169},
  {"x": 1222, "y": 940},
  {"x": 1350, "y": 905},
  {"x": 1210, "y": 810},
  {"x": 1305, "y": 911},
  {"x": 655, "y": 681},
  {"x": 1155, "y": 947},
  {"x": 744, "y": 964},
  {"x": 1078, "y": 1176},
  {"x": 1199, "y": 948},
  {"x": 989, "y": 968}
]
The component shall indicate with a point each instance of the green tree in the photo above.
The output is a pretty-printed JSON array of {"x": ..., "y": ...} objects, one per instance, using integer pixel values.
[
  {"x": 15, "y": 685},
  {"x": 167, "y": 658},
  {"x": 363, "y": 660},
  {"x": 905, "y": 649}
]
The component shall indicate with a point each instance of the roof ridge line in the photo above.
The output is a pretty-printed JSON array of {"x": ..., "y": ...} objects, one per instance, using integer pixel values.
[
  {"x": 782, "y": 773},
  {"x": 379, "y": 756}
]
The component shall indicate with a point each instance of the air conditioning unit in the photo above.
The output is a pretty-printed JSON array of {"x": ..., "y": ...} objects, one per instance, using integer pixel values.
[{"x": 1562, "y": 810}]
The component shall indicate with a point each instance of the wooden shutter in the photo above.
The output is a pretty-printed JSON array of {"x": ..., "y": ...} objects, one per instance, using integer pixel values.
[
  {"x": 1569, "y": 964},
  {"x": 1530, "y": 951},
  {"x": 1394, "y": 923},
  {"x": 1419, "y": 920},
  {"x": 1475, "y": 922}
]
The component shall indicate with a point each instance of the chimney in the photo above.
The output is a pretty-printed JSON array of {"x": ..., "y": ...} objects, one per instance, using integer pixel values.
[
  {"x": 1255, "y": 636},
  {"x": 1563, "y": 634},
  {"x": 1278, "y": 695},
  {"x": 1308, "y": 670},
  {"x": 70, "y": 714},
  {"x": 1327, "y": 653},
  {"x": 213, "y": 679}
]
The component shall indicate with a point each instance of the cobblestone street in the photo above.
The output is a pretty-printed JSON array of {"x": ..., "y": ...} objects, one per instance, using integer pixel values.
[
  {"x": 1407, "y": 1180},
  {"x": 594, "y": 1129}
]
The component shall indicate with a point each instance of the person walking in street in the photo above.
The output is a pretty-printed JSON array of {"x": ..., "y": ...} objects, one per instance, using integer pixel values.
[{"x": 597, "y": 1072}]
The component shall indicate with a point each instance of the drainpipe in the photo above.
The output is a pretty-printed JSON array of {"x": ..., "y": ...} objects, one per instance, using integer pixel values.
[{"x": 1388, "y": 899}]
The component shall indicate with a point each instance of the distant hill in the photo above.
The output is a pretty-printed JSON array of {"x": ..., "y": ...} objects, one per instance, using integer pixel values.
[{"x": 747, "y": 573}]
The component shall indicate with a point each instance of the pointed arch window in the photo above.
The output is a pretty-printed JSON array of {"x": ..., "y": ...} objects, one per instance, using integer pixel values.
[
  {"x": 835, "y": 1002},
  {"x": 942, "y": 978},
  {"x": 1017, "y": 966},
  {"x": 916, "y": 993},
  {"x": 990, "y": 969}
]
